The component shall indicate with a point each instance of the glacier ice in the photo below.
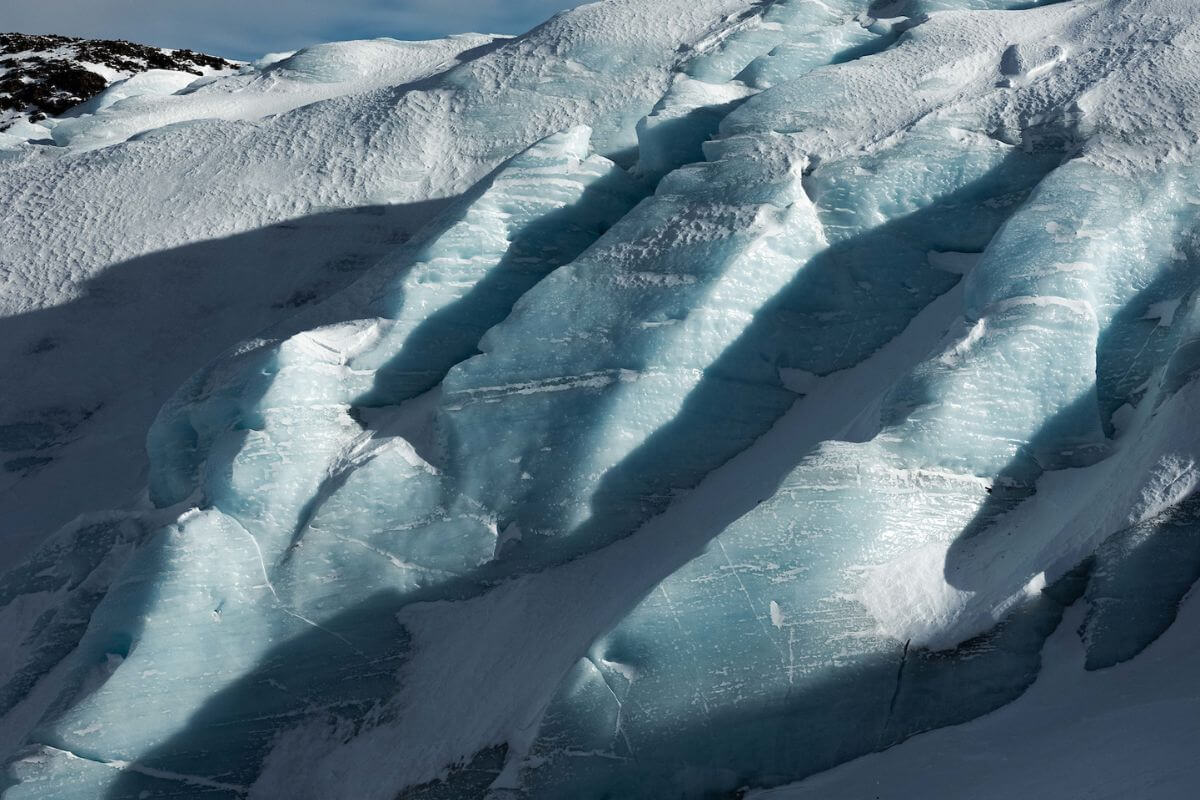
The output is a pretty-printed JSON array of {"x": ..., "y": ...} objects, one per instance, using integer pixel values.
[
  {"x": 769, "y": 384},
  {"x": 289, "y": 209}
]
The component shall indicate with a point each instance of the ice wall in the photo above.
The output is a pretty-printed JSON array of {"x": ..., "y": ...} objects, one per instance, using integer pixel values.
[{"x": 770, "y": 443}]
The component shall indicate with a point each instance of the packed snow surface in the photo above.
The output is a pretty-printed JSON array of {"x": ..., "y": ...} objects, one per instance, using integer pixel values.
[{"x": 681, "y": 399}]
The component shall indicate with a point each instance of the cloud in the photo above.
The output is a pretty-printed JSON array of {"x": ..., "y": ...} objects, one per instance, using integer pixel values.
[{"x": 248, "y": 28}]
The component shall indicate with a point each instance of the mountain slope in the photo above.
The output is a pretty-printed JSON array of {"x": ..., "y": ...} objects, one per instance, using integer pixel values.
[
  {"x": 677, "y": 399},
  {"x": 43, "y": 76}
]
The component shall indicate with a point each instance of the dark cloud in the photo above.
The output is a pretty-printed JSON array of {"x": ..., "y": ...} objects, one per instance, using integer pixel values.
[{"x": 249, "y": 28}]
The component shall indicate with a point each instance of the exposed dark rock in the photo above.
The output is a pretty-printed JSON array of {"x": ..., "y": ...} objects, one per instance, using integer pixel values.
[{"x": 44, "y": 76}]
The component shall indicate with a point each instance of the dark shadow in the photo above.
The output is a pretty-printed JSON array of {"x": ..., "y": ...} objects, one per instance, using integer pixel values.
[
  {"x": 71, "y": 565},
  {"x": 108, "y": 360},
  {"x": 227, "y": 738},
  {"x": 461, "y": 781},
  {"x": 873, "y": 46},
  {"x": 897, "y": 696},
  {"x": 467, "y": 56},
  {"x": 682, "y": 138},
  {"x": 437, "y": 344},
  {"x": 1142, "y": 575},
  {"x": 887, "y": 9}
]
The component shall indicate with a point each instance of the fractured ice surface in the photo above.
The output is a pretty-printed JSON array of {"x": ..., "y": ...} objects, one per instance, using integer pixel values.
[
  {"x": 229, "y": 225},
  {"x": 778, "y": 440}
]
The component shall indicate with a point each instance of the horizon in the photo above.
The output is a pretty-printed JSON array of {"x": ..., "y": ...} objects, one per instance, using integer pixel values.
[{"x": 236, "y": 31}]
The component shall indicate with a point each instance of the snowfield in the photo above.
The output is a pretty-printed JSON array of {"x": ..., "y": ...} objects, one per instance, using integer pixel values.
[{"x": 680, "y": 400}]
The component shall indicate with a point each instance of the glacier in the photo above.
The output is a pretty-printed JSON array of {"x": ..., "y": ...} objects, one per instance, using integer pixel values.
[{"x": 683, "y": 399}]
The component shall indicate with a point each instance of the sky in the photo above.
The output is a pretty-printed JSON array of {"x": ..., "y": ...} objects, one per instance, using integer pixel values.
[{"x": 246, "y": 29}]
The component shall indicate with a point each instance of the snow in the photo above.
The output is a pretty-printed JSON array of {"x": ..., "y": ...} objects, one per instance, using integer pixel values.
[
  {"x": 55, "y": 70},
  {"x": 154, "y": 82},
  {"x": 392, "y": 152},
  {"x": 680, "y": 398},
  {"x": 1113, "y": 734},
  {"x": 316, "y": 73}
]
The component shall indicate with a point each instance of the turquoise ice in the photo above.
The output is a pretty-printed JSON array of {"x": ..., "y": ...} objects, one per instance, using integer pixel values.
[{"x": 698, "y": 449}]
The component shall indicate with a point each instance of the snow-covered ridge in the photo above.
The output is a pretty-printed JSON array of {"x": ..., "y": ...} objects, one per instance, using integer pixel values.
[
  {"x": 681, "y": 398},
  {"x": 43, "y": 76}
]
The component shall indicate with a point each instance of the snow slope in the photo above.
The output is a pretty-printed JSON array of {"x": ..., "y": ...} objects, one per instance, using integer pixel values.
[
  {"x": 307, "y": 76},
  {"x": 679, "y": 399},
  {"x": 44, "y": 76},
  {"x": 1108, "y": 734}
]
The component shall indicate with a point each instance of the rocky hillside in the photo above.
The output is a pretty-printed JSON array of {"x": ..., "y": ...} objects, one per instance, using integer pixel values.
[{"x": 43, "y": 76}]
